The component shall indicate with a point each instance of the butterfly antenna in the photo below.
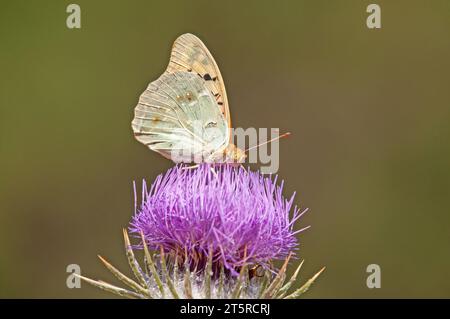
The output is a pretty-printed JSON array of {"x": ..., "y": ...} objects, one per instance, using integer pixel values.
[{"x": 269, "y": 141}]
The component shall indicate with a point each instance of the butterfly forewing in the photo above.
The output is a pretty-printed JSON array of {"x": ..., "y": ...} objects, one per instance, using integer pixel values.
[{"x": 189, "y": 54}]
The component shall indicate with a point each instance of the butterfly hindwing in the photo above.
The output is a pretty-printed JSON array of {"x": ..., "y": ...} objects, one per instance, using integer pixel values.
[{"x": 178, "y": 116}]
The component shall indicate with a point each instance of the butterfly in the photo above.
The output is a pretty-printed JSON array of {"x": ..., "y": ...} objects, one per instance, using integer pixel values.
[{"x": 184, "y": 114}]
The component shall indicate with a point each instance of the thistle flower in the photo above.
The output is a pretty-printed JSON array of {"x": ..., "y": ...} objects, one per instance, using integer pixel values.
[{"x": 216, "y": 232}]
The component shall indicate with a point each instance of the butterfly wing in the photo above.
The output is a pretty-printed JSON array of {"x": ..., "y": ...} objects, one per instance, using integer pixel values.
[
  {"x": 178, "y": 117},
  {"x": 189, "y": 54}
]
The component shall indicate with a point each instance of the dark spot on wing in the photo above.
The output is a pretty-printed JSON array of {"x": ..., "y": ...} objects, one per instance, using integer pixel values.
[
  {"x": 211, "y": 124},
  {"x": 207, "y": 77}
]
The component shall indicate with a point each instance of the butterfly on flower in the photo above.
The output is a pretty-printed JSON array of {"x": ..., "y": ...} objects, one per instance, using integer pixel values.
[{"x": 184, "y": 115}]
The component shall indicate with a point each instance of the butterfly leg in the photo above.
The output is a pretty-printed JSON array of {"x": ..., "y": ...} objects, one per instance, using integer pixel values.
[
  {"x": 191, "y": 167},
  {"x": 197, "y": 165},
  {"x": 214, "y": 172}
]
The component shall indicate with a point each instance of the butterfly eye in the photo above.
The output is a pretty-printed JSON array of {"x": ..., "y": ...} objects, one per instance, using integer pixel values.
[{"x": 210, "y": 124}]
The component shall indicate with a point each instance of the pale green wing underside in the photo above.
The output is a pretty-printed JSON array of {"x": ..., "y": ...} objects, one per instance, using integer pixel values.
[
  {"x": 178, "y": 116},
  {"x": 189, "y": 54}
]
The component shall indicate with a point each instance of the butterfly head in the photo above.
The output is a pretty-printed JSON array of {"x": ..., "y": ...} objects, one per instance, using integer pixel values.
[{"x": 234, "y": 154}]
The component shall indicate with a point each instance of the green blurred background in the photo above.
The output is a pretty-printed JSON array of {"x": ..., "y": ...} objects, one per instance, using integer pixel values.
[{"x": 369, "y": 111}]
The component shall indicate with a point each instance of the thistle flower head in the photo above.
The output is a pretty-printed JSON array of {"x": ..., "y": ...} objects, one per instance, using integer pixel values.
[
  {"x": 236, "y": 215},
  {"x": 206, "y": 227}
]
